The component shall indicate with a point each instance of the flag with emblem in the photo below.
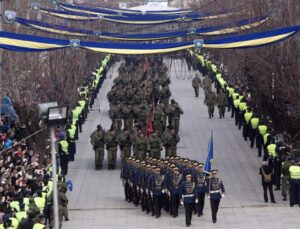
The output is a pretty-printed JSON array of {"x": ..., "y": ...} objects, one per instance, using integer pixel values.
[{"x": 210, "y": 154}]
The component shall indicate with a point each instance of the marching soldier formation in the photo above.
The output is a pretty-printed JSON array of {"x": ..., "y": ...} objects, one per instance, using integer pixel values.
[
  {"x": 144, "y": 118},
  {"x": 166, "y": 184}
]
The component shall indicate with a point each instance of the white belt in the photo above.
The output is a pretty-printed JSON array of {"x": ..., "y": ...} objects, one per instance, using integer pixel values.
[
  {"x": 189, "y": 195},
  {"x": 217, "y": 191}
]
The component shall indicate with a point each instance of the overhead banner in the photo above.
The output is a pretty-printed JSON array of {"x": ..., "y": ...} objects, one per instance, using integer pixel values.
[
  {"x": 135, "y": 19},
  {"x": 111, "y": 11},
  {"x": 29, "y": 43},
  {"x": 206, "y": 31}
]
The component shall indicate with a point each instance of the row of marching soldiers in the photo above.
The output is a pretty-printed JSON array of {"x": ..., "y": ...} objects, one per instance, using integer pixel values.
[
  {"x": 280, "y": 158},
  {"x": 87, "y": 94},
  {"x": 167, "y": 184},
  {"x": 143, "y": 118}
]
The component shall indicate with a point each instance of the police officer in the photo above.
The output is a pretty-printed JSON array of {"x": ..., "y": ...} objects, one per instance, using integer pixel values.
[
  {"x": 63, "y": 151},
  {"x": 175, "y": 189},
  {"x": 188, "y": 198},
  {"x": 216, "y": 191},
  {"x": 200, "y": 180},
  {"x": 294, "y": 184},
  {"x": 158, "y": 188}
]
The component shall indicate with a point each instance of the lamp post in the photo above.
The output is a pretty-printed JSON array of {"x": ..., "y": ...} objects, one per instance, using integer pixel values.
[{"x": 52, "y": 114}]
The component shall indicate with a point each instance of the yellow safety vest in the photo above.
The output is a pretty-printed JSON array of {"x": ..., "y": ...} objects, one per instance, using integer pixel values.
[
  {"x": 272, "y": 150},
  {"x": 14, "y": 222},
  {"x": 248, "y": 116},
  {"x": 242, "y": 106},
  {"x": 262, "y": 129},
  {"x": 72, "y": 132},
  {"x": 235, "y": 95},
  {"x": 254, "y": 122},
  {"x": 64, "y": 146},
  {"x": 294, "y": 172},
  {"x": 15, "y": 206},
  {"x": 82, "y": 103},
  {"x": 26, "y": 201},
  {"x": 236, "y": 102},
  {"x": 230, "y": 91},
  {"x": 38, "y": 226},
  {"x": 266, "y": 137},
  {"x": 21, "y": 215},
  {"x": 40, "y": 203}
]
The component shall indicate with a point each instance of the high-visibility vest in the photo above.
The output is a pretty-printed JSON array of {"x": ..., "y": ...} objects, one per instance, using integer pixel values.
[
  {"x": 294, "y": 171},
  {"x": 40, "y": 203},
  {"x": 236, "y": 102},
  {"x": 248, "y": 116},
  {"x": 222, "y": 82},
  {"x": 235, "y": 95},
  {"x": 14, "y": 222},
  {"x": 15, "y": 206},
  {"x": 38, "y": 226},
  {"x": 64, "y": 146},
  {"x": 262, "y": 129},
  {"x": 272, "y": 150},
  {"x": 26, "y": 201},
  {"x": 2, "y": 226},
  {"x": 21, "y": 215},
  {"x": 218, "y": 76},
  {"x": 242, "y": 106},
  {"x": 72, "y": 132},
  {"x": 254, "y": 123},
  {"x": 230, "y": 91},
  {"x": 266, "y": 137}
]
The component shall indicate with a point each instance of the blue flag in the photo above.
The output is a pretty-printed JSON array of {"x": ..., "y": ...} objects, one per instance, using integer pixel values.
[
  {"x": 210, "y": 154},
  {"x": 69, "y": 184}
]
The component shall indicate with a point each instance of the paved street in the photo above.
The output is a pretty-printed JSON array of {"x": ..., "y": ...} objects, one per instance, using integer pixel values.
[{"x": 97, "y": 200}]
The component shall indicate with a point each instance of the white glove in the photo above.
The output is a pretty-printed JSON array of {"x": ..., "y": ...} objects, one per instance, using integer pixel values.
[
  {"x": 196, "y": 200},
  {"x": 151, "y": 193},
  {"x": 146, "y": 189},
  {"x": 223, "y": 195},
  {"x": 137, "y": 188},
  {"x": 208, "y": 196},
  {"x": 181, "y": 202},
  {"x": 163, "y": 191},
  {"x": 169, "y": 193}
]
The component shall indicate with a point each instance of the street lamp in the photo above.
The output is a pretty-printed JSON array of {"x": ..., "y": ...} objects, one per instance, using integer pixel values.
[{"x": 52, "y": 115}]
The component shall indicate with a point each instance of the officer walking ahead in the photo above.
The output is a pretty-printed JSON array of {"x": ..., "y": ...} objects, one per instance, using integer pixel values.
[
  {"x": 188, "y": 198},
  {"x": 98, "y": 142},
  {"x": 216, "y": 191},
  {"x": 196, "y": 83}
]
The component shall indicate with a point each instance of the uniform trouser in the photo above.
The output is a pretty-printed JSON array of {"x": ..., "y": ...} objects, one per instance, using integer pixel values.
[
  {"x": 252, "y": 136},
  {"x": 112, "y": 156},
  {"x": 144, "y": 201},
  {"x": 136, "y": 198},
  {"x": 125, "y": 153},
  {"x": 164, "y": 124},
  {"x": 99, "y": 155},
  {"x": 72, "y": 150},
  {"x": 294, "y": 191},
  {"x": 211, "y": 110},
  {"x": 126, "y": 190},
  {"x": 166, "y": 202},
  {"x": 229, "y": 102},
  {"x": 270, "y": 187},
  {"x": 174, "y": 204},
  {"x": 156, "y": 153},
  {"x": 175, "y": 124},
  {"x": 128, "y": 122},
  {"x": 214, "y": 204},
  {"x": 172, "y": 151},
  {"x": 241, "y": 119},
  {"x": 200, "y": 204},
  {"x": 246, "y": 127},
  {"x": 140, "y": 154},
  {"x": 167, "y": 150},
  {"x": 196, "y": 91},
  {"x": 157, "y": 204},
  {"x": 188, "y": 212},
  {"x": 259, "y": 144},
  {"x": 157, "y": 127},
  {"x": 285, "y": 185},
  {"x": 151, "y": 204},
  {"x": 118, "y": 124},
  {"x": 65, "y": 212},
  {"x": 221, "y": 111},
  {"x": 236, "y": 116},
  {"x": 64, "y": 162}
]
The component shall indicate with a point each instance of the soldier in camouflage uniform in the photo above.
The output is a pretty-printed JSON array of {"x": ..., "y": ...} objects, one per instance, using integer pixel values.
[
  {"x": 210, "y": 100},
  {"x": 285, "y": 177},
  {"x": 196, "y": 83},
  {"x": 124, "y": 141},
  {"x": 98, "y": 142},
  {"x": 221, "y": 102},
  {"x": 112, "y": 147},
  {"x": 157, "y": 119},
  {"x": 140, "y": 146},
  {"x": 176, "y": 111},
  {"x": 127, "y": 115},
  {"x": 166, "y": 139},
  {"x": 155, "y": 145}
]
